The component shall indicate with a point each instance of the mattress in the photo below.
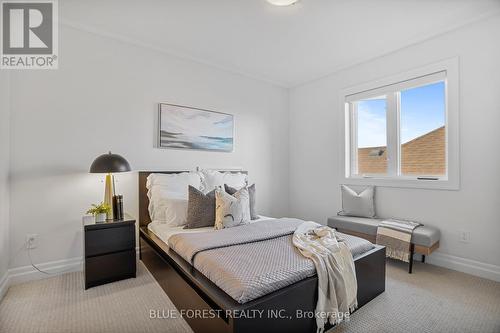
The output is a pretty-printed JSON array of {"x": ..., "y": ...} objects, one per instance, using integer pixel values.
[
  {"x": 164, "y": 231},
  {"x": 241, "y": 270}
]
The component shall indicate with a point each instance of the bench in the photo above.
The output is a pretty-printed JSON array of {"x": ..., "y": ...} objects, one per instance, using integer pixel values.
[{"x": 424, "y": 240}]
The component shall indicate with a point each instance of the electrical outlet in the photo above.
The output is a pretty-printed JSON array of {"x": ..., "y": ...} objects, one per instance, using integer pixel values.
[
  {"x": 464, "y": 236},
  {"x": 31, "y": 241}
]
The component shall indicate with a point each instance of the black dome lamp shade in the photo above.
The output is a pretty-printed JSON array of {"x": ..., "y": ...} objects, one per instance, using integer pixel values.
[{"x": 109, "y": 163}]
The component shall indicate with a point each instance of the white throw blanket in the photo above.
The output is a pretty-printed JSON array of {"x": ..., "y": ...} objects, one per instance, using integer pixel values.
[{"x": 337, "y": 285}]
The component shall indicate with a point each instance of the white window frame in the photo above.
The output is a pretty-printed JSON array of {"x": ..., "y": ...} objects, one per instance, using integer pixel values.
[{"x": 446, "y": 71}]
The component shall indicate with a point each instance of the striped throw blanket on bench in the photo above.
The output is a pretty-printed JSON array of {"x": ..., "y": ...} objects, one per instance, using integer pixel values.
[{"x": 395, "y": 235}]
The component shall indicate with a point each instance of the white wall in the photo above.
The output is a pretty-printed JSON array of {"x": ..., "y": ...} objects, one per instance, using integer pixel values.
[
  {"x": 4, "y": 175},
  {"x": 315, "y": 123},
  {"x": 104, "y": 97}
]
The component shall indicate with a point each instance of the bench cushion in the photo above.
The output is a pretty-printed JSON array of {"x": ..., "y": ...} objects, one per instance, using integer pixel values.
[
  {"x": 424, "y": 235},
  {"x": 359, "y": 224}
]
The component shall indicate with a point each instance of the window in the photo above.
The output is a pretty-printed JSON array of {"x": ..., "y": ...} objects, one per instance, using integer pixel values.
[
  {"x": 423, "y": 130},
  {"x": 371, "y": 120},
  {"x": 403, "y": 132}
]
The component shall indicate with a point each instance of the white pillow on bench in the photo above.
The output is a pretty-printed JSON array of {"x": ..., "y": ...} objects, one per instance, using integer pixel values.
[{"x": 360, "y": 204}]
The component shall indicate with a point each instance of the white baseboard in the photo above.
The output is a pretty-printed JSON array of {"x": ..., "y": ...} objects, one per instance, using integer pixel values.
[
  {"x": 29, "y": 273},
  {"x": 4, "y": 284},
  {"x": 472, "y": 267}
]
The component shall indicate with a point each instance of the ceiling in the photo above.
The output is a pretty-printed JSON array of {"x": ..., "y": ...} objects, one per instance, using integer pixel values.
[{"x": 287, "y": 46}]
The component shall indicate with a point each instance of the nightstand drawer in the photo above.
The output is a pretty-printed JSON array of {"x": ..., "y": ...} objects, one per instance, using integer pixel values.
[
  {"x": 109, "y": 267},
  {"x": 113, "y": 239}
]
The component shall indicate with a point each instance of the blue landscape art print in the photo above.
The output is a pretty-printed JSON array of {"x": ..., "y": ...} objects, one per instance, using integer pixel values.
[{"x": 189, "y": 128}]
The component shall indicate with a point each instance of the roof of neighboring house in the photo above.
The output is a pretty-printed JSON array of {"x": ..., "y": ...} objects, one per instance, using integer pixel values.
[{"x": 424, "y": 155}]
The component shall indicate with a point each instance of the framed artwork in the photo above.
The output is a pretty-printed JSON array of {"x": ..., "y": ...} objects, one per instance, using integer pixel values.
[{"x": 182, "y": 127}]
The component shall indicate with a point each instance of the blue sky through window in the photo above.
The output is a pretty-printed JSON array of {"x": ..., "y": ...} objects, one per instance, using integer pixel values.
[
  {"x": 372, "y": 123},
  {"x": 422, "y": 111}
]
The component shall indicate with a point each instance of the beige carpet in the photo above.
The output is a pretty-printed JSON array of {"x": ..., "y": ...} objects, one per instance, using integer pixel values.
[
  {"x": 432, "y": 299},
  {"x": 60, "y": 304}
]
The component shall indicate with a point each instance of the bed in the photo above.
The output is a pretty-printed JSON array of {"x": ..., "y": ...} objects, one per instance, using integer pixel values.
[{"x": 208, "y": 305}]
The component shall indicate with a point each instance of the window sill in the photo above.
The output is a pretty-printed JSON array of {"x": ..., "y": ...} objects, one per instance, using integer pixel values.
[{"x": 450, "y": 185}]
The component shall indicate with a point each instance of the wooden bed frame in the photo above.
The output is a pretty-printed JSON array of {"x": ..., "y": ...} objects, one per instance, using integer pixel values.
[{"x": 207, "y": 308}]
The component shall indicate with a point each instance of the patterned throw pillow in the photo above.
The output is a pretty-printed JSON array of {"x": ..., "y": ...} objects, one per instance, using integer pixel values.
[
  {"x": 201, "y": 209},
  {"x": 251, "y": 192},
  {"x": 231, "y": 210}
]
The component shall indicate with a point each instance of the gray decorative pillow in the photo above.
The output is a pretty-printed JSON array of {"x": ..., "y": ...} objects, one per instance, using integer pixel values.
[
  {"x": 231, "y": 210},
  {"x": 251, "y": 193},
  {"x": 201, "y": 209},
  {"x": 360, "y": 204}
]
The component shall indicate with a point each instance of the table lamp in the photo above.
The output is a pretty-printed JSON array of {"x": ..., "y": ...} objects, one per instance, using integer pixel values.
[{"x": 109, "y": 164}]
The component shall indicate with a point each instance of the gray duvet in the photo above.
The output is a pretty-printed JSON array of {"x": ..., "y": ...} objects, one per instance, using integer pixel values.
[{"x": 252, "y": 260}]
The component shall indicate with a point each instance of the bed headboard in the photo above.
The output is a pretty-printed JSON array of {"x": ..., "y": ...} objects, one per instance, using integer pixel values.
[{"x": 144, "y": 218}]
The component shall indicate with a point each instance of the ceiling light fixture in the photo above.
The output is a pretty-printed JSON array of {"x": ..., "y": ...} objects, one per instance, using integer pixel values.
[{"x": 282, "y": 2}]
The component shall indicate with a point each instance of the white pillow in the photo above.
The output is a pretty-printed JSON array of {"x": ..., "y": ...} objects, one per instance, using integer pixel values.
[
  {"x": 231, "y": 210},
  {"x": 212, "y": 179},
  {"x": 360, "y": 204},
  {"x": 161, "y": 186},
  {"x": 175, "y": 182},
  {"x": 160, "y": 191},
  {"x": 169, "y": 208},
  {"x": 176, "y": 212}
]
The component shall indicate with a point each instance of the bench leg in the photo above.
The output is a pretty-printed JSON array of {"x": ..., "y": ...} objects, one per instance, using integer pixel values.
[
  {"x": 410, "y": 265},
  {"x": 423, "y": 258}
]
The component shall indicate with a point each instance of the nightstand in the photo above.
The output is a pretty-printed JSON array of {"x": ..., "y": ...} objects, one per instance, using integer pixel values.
[{"x": 109, "y": 251}]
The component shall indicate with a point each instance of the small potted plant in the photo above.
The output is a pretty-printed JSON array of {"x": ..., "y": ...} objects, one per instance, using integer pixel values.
[{"x": 99, "y": 211}]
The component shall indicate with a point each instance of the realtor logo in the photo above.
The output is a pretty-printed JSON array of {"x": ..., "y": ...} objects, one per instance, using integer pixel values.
[{"x": 29, "y": 35}]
